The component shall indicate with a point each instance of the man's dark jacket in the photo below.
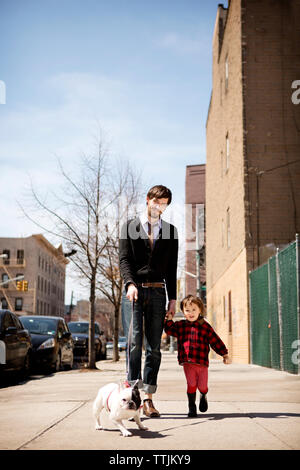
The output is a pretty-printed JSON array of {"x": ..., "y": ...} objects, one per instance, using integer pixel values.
[{"x": 139, "y": 263}]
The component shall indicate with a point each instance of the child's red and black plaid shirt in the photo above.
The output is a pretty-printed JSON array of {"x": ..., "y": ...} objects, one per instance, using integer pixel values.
[{"x": 194, "y": 340}]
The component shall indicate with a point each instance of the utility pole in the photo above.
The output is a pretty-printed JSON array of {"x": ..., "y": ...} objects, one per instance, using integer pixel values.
[{"x": 200, "y": 224}]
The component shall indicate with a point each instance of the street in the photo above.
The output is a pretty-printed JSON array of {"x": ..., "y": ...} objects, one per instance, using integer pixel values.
[{"x": 250, "y": 407}]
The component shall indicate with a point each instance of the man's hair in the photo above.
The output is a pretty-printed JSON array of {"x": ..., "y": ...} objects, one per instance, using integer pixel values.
[
  {"x": 192, "y": 299},
  {"x": 160, "y": 192}
]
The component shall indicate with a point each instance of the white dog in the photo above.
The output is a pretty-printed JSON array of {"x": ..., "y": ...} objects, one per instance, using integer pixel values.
[{"x": 121, "y": 402}]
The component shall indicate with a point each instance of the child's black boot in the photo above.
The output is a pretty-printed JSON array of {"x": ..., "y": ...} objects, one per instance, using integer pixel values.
[
  {"x": 203, "y": 403},
  {"x": 192, "y": 405}
]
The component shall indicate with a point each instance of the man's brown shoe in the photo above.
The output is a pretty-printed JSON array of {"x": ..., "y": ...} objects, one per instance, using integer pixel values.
[{"x": 149, "y": 409}]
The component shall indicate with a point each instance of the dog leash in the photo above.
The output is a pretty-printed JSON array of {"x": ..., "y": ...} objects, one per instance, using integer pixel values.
[{"x": 129, "y": 339}]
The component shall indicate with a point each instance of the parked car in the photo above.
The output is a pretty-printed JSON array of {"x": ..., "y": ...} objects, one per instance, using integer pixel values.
[
  {"x": 15, "y": 344},
  {"x": 51, "y": 341},
  {"x": 121, "y": 344},
  {"x": 80, "y": 334}
]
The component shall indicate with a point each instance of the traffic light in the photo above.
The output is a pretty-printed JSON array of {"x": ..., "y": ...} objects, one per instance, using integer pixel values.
[
  {"x": 25, "y": 285},
  {"x": 19, "y": 285}
]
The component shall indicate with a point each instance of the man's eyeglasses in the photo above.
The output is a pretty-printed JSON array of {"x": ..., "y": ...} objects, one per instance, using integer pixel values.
[{"x": 162, "y": 205}]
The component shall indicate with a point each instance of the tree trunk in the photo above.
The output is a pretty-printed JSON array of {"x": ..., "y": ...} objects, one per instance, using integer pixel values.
[
  {"x": 116, "y": 335},
  {"x": 92, "y": 356}
]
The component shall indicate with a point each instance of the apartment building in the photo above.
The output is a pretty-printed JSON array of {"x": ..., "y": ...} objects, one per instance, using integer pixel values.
[
  {"x": 253, "y": 149},
  {"x": 44, "y": 269},
  {"x": 195, "y": 277}
]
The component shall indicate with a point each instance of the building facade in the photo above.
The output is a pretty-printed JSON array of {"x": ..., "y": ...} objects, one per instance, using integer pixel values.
[
  {"x": 253, "y": 149},
  {"x": 44, "y": 269},
  {"x": 195, "y": 207}
]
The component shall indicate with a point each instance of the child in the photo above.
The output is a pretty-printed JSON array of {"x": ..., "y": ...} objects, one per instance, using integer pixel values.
[{"x": 194, "y": 337}]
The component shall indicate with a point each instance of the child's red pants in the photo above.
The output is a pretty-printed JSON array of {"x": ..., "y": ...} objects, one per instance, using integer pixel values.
[{"x": 196, "y": 377}]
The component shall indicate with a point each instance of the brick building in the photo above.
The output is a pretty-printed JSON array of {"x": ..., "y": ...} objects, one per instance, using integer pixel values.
[
  {"x": 43, "y": 267},
  {"x": 194, "y": 199},
  {"x": 253, "y": 155}
]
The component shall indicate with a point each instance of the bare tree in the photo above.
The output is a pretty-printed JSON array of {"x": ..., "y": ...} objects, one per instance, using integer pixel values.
[
  {"x": 127, "y": 184},
  {"x": 82, "y": 220}
]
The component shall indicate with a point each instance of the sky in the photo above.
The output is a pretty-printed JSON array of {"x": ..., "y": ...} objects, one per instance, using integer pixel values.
[{"x": 139, "y": 69}]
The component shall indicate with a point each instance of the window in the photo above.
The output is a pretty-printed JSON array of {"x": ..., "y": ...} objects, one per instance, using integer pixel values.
[
  {"x": 221, "y": 89},
  {"x": 8, "y": 321},
  {"x": 227, "y": 154},
  {"x": 7, "y": 259},
  {"x": 226, "y": 73},
  {"x": 223, "y": 232},
  {"x": 3, "y": 303},
  {"x": 20, "y": 256},
  {"x": 17, "y": 322},
  {"x": 5, "y": 278},
  {"x": 18, "y": 304},
  {"x": 228, "y": 227},
  {"x": 229, "y": 313}
]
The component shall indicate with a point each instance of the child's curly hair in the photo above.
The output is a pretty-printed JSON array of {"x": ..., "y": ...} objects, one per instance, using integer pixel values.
[{"x": 193, "y": 299}]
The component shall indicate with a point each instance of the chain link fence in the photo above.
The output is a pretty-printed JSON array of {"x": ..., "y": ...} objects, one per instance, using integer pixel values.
[{"x": 274, "y": 311}]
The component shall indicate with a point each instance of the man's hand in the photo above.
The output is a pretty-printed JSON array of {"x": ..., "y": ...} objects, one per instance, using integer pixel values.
[
  {"x": 168, "y": 316},
  {"x": 171, "y": 308},
  {"x": 132, "y": 292}
]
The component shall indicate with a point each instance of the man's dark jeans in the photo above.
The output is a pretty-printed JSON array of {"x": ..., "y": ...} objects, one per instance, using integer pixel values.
[{"x": 150, "y": 309}]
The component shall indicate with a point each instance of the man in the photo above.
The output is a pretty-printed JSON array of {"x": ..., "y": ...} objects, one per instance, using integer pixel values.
[{"x": 148, "y": 263}]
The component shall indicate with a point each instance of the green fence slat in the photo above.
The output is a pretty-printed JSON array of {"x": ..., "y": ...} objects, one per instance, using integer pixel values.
[
  {"x": 288, "y": 287},
  {"x": 260, "y": 331},
  {"x": 274, "y": 312}
]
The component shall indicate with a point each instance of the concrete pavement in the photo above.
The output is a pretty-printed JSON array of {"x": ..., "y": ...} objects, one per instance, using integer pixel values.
[{"x": 250, "y": 407}]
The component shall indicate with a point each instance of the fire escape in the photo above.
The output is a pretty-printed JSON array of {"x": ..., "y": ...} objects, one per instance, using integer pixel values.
[{"x": 10, "y": 280}]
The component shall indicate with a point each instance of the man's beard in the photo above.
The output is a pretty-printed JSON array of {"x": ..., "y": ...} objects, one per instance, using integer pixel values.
[{"x": 153, "y": 214}]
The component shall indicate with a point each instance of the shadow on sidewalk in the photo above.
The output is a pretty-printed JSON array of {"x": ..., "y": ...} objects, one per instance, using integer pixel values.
[{"x": 218, "y": 416}]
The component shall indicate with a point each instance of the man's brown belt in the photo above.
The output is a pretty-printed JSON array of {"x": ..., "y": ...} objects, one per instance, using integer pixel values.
[{"x": 152, "y": 284}]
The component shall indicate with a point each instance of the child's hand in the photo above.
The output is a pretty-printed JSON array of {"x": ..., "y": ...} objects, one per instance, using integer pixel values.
[
  {"x": 226, "y": 359},
  {"x": 168, "y": 316}
]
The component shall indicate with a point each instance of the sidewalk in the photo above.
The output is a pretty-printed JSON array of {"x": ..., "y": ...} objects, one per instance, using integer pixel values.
[{"x": 250, "y": 407}]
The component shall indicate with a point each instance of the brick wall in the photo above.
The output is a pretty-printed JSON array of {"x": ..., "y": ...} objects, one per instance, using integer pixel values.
[
  {"x": 271, "y": 50},
  {"x": 194, "y": 194},
  {"x": 256, "y": 44}
]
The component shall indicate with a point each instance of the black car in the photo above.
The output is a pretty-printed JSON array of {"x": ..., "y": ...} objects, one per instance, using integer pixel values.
[
  {"x": 80, "y": 334},
  {"x": 15, "y": 344},
  {"x": 52, "y": 343}
]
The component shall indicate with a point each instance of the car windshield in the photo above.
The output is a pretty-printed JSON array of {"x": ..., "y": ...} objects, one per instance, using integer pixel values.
[
  {"x": 78, "y": 327},
  {"x": 122, "y": 339},
  {"x": 40, "y": 326}
]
